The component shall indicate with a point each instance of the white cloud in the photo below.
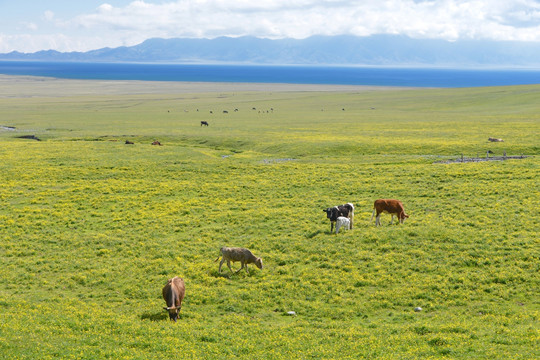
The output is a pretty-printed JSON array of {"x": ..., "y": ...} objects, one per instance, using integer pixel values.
[
  {"x": 30, "y": 26},
  {"x": 442, "y": 19},
  {"x": 103, "y": 8},
  {"x": 48, "y": 15},
  {"x": 450, "y": 19}
]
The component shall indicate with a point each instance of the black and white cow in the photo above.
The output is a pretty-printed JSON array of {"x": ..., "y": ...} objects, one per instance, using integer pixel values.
[{"x": 346, "y": 210}]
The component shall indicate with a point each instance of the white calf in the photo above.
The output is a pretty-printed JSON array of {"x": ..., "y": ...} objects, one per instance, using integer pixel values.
[{"x": 342, "y": 221}]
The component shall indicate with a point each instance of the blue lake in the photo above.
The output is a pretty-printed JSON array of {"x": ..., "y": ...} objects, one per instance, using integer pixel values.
[{"x": 339, "y": 75}]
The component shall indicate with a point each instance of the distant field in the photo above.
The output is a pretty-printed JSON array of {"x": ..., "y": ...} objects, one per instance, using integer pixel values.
[{"x": 91, "y": 228}]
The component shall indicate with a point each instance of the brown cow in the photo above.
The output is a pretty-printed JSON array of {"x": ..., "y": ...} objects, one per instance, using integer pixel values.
[
  {"x": 393, "y": 207},
  {"x": 156, "y": 143},
  {"x": 173, "y": 293}
]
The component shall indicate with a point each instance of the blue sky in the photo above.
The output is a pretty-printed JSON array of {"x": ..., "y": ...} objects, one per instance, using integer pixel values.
[{"x": 71, "y": 25}]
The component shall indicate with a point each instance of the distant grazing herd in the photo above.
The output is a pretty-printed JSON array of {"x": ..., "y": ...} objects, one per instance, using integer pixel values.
[{"x": 340, "y": 215}]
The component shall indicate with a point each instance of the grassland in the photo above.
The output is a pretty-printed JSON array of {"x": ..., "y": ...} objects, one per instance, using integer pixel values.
[{"x": 91, "y": 228}]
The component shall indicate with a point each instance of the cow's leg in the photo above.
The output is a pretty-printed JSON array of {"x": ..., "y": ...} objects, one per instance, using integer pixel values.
[
  {"x": 392, "y": 221},
  {"x": 221, "y": 263},
  {"x": 241, "y": 267},
  {"x": 229, "y": 265},
  {"x": 378, "y": 220},
  {"x": 351, "y": 218},
  {"x": 372, "y": 215},
  {"x": 331, "y": 226},
  {"x": 338, "y": 225}
]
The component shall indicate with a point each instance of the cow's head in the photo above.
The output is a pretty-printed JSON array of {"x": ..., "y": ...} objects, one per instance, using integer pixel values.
[
  {"x": 332, "y": 213},
  {"x": 258, "y": 263},
  {"x": 402, "y": 217},
  {"x": 173, "y": 312}
]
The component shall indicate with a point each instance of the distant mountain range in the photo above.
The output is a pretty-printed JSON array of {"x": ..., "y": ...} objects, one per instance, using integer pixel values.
[{"x": 385, "y": 50}]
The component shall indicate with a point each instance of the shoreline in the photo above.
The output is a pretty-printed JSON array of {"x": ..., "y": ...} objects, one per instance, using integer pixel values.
[{"x": 21, "y": 86}]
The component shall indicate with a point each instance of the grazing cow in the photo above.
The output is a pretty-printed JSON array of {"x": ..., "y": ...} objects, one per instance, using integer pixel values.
[
  {"x": 342, "y": 221},
  {"x": 156, "y": 143},
  {"x": 495, "y": 140},
  {"x": 173, "y": 293},
  {"x": 238, "y": 254},
  {"x": 205, "y": 123},
  {"x": 393, "y": 207},
  {"x": 333, "y": 213},
  {"x": 129, "y": 142},
  {"x": 225, "y": 112}
]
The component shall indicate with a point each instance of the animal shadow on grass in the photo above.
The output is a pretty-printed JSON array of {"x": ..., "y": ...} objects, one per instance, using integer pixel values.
[
  {"x": 159, "y": 316},
  {"x": 313, "y": 234},
  {"x": 226, "y": 274},
  {"x": 156, "y": 316}
]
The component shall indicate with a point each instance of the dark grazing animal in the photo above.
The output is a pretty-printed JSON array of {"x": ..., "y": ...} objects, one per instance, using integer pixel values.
[
  {"x": 156, "y": 143},
  {"x": 173, "y": 293},
  {"x": 346, "y": 210},
  {"x": 205, "y": 123},
  {"x": 238, "y": 254},
  {"x": 391, "y": 206},
  {"x": 129, "y": 142}
]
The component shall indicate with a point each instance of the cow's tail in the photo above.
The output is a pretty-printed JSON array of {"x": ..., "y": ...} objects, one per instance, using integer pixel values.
[
  {"x": 220, "y": 253},
  {"x": 173, "y": 297},
  {"x": 372, "y": 215},
  {"x": 351, "y": 216}
]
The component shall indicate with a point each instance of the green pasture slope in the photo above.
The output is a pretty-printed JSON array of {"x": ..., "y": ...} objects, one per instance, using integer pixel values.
[{"x": 91, "y": 228}]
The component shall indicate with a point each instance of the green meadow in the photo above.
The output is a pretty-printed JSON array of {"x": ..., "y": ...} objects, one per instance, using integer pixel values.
[{"x": 92, "y": 228}]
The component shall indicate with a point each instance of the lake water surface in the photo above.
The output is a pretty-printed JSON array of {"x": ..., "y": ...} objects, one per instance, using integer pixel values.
[{"x": 292, "y": 74}]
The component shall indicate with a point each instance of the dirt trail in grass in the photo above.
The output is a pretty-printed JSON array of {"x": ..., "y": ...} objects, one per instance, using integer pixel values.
[
  {"x": 32, "y": 86},
  {"x": 479, "y": 159}
]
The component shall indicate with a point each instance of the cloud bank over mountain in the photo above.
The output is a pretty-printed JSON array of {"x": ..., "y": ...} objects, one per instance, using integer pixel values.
[{"x": 35, "y": 25}]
